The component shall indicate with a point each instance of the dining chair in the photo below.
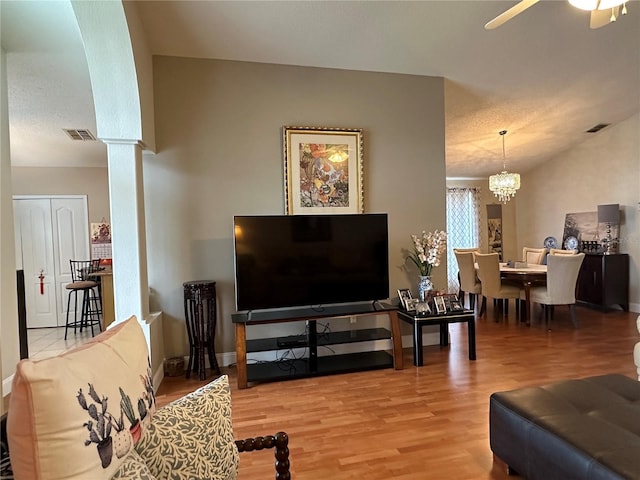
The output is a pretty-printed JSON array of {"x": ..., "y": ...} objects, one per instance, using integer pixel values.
[
  {"x": 558, "y": 251},
  {"x": 492, "y": 285},
  {"x": 534, "y": 255},
  {"x": 467, "y": 250},
  {"x": 469, "y": 281},
  {"x": 562, "y": 276}
]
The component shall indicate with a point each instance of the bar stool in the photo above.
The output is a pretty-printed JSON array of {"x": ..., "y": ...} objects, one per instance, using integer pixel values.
[
  {"x": 81, "y": 281},
  {"x": 200, "y": 317}
]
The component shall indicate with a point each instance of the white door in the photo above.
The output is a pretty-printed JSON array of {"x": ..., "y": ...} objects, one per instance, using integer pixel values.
[{"x": 49, "y": 233}]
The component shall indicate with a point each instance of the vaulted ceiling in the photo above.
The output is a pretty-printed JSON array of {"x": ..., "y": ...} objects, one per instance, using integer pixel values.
[{"x": 544, "y": 76}]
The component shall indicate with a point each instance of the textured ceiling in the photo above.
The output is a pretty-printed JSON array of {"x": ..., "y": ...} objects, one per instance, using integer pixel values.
[{"x": 544, "y": 76}]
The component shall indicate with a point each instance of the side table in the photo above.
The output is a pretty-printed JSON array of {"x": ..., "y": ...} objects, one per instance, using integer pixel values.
[
  {"x": 443, "y": 320},
  {"x": 200, "y": 316}
]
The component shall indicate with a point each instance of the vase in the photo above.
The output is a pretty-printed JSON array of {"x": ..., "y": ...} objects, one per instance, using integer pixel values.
[{"x": 425, "y": 287}]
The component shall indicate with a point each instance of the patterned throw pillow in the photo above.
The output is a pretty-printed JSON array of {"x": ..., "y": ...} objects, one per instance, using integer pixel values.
[
  {"x": 192, "y": 437},
  {"x": 76, "y": 416},
  {"x": 133, "y": 468}
]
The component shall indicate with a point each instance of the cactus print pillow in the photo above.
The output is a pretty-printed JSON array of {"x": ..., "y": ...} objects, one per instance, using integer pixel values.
[
  {"x": 192, "y": 437},
  {"x": 78, "y": 415}
]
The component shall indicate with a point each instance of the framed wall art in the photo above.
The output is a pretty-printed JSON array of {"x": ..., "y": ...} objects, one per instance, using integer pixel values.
[{"x": 323, "y": 170}]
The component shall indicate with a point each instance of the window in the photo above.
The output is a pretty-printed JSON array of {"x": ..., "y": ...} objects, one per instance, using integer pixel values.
[{"x": 463, "y": 227}]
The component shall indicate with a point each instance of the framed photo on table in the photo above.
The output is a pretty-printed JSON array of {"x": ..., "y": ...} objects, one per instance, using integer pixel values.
[
  {"x": 323, "y": 170},
  {"x": 404, "y": 294},
  {"x": 439, "y": 303},
  {"x": 412, "y": 304}
]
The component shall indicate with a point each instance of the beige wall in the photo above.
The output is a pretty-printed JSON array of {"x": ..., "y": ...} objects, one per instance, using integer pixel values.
[
  {"x": 604, "y": 169},
  {"x": 219, "y": 154},
  {"x": 92, "y": 182}
]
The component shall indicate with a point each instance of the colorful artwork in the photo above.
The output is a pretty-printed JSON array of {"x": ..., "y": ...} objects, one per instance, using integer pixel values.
[
  {"x": 324, "y": 175},
  {"x": 323, "y": 170},
  {"x": 100, "y": 232}
]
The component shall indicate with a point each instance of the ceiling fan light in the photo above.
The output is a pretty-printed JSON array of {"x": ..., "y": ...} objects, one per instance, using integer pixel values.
[
  {"x": 606, "y": 4},
  {"x": 586, "y": 4}
]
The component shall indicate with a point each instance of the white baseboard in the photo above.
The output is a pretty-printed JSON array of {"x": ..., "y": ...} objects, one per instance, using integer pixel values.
[
  {"x": 634, "y": 307},
  {"x": 6, "y": 385},
  {"x": 158, "y": 376}
]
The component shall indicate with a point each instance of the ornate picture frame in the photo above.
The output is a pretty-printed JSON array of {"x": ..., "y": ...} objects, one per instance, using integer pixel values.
[{"x": 323, "y": 170}]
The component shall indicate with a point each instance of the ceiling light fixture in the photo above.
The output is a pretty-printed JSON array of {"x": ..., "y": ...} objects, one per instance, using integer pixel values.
[
  {"x": 504, "y": 184},
  {"x": 596, "y": 4},
  {"x": 601, "y": 5}
]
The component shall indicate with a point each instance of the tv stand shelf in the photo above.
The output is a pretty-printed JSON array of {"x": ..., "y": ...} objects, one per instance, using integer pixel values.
[{"x": 312, "y": 340}]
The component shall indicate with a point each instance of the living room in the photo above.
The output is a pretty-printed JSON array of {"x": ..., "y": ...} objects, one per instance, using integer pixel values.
[{"x": 218, "y": 127}]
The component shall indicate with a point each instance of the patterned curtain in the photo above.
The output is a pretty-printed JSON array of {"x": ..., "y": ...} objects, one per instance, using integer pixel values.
[{"x": 463, "y": 227}]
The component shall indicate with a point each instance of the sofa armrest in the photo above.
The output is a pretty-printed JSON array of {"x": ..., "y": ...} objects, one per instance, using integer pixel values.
[{"x": 279, "y": 442}]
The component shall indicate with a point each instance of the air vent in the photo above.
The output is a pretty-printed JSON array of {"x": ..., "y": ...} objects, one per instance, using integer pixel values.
[
  {"x": 79, "y": 134},
  {"x": 598, "y": 127}
]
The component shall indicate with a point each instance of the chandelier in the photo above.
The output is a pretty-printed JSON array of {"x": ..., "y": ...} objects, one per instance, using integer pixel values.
[{"x": 504, "y": 184}]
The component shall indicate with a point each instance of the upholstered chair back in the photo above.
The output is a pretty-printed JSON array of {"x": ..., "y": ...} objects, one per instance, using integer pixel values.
[
  {"x": 533, "y": 255},
  {"x": 489, "y": 274},
  {"x": 469, "y": 281},
  {"x": 467, "y": 250},
  {"x": 558, "y": 251},
  {"x": 562, "y": 275}
]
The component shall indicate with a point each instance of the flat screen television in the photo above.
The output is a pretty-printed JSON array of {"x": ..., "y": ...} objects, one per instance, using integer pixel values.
[{"x": 307, "y": 260}]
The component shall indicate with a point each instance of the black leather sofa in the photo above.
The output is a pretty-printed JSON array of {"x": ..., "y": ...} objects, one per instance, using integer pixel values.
[{"x": 587, "y": 429}]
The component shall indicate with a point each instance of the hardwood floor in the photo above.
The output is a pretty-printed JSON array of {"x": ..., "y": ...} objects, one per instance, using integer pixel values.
[{"x": 428, "y": 422}]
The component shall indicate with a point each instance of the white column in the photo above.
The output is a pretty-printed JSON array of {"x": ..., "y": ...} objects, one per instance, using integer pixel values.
[
  {"x": 126, "y": 193},
  {"x": 10, "y": 346}
]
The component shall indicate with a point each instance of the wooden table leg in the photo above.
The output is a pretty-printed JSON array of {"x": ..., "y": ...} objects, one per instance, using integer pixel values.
[
  {"x": 471, "y": 333},
  {"x": 418, "y": 358},
  {"x": 241, "y": 354},
  {"x": 396, "y": 338}
]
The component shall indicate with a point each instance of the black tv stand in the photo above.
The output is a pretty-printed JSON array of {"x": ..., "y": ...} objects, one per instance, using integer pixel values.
[{"x": 312, "y": 364}]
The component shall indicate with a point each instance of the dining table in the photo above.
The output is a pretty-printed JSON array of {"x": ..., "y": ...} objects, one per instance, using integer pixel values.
[{"x": 526, "y": 276}]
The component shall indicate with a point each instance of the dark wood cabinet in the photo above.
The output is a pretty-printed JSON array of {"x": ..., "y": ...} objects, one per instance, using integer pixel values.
[{"x": 604, "y": 280}]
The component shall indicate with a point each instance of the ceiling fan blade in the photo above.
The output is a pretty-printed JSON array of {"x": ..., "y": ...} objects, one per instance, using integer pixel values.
[
  {"x": 600, "y": 18},
  {"x": 509, "y": 14}
]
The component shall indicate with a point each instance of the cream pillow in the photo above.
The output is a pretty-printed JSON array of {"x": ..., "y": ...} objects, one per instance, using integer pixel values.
[{"x": 78, "y": 415}]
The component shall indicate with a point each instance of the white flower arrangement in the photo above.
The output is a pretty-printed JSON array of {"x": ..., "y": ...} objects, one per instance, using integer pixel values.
[{"x": 427, "y": 250}]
